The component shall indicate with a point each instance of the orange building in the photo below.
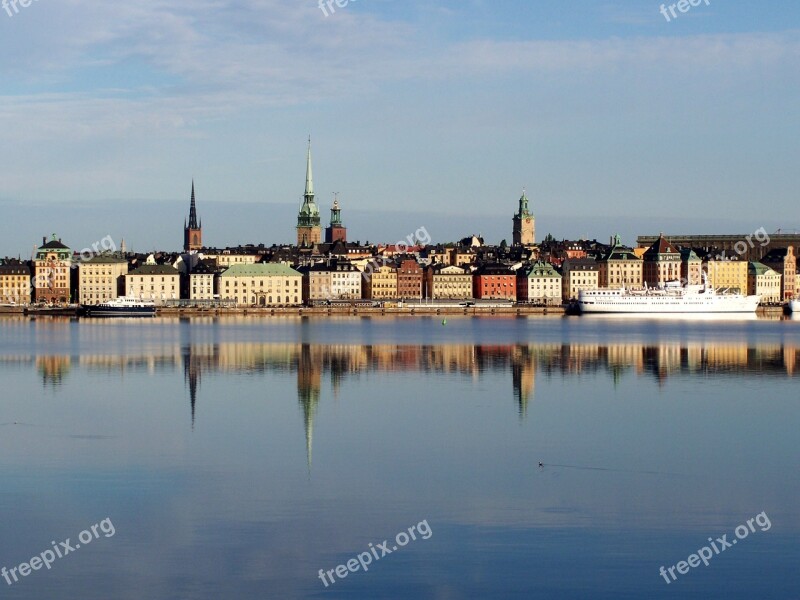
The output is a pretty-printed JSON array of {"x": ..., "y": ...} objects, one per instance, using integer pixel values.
[{"x": 494, "y": 281}]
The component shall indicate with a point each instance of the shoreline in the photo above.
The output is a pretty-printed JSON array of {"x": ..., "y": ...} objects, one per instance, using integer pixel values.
[
  {"x": 322, "y": 312},
  {"x": 420, "y": 310}
]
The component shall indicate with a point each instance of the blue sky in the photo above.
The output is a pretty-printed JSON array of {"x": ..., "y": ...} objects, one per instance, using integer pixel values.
[{"x": 428, "y": 114}]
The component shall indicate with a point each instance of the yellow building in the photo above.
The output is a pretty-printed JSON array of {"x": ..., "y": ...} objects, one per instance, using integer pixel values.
[
  {"x": 578, "y": 274},
  {"x": 727, "y": 275},
  {"x": 447, "y": 281},
  {"x": 263, "y": 284},
  {"x": 101, "y": 278},
  {"x": 15, "y": 284},
  {"x": 228, "y": 258},
  {"x": 619, "y": 267},
  {"x": 380, "y": 281},
  {"x": 765, "y": 282},
  {"x": 153, "y": 282}
]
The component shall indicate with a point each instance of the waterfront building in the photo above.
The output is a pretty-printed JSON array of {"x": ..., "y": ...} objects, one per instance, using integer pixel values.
[
  {"x": 336, "y": 231},
  {"x": 380, "y": 281},
  {"x": 691, "y": 267},
  {"x": 784, "y": 261},
  {"x": 331, "y": 280},
  {"x": 494, "y": 281},
  {"x": 763, "y": 281},
  {"x": 539, "y": 283},
  {"x": 619, "y": 266},
  {"x": 15, "y": 283},
  {"x": 443, "y": 281},
  {"x": 153, "y": 282},
  {"x": 202, "y": 278},
  {"x": 309, "y": 230},
  {"x": 662, "y": 263},
  {"x": 524, "y": 231},
  {"x": 409, "y": 279},
  {"x": 193, "y": 230},
  {"x": 727, "y": 274},
  {"x": 263, "y": 284},
  {"x": 101, "y": 278},
  {"x": 51, "y": 267},
  {"x": 578, "y": 274}
]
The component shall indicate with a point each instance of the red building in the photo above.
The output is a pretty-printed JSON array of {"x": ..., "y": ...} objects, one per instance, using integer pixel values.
[
  {"x": 494, "y": 281},
  {"x": 409, "y": 279}
]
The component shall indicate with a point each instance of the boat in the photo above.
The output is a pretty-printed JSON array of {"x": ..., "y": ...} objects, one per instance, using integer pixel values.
[
  {"x": 794, "y": 307},
  {"x": 672, "y": 297},
  {"x": 124, "y": 306}
]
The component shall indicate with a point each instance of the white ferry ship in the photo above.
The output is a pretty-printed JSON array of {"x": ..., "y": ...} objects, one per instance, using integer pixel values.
[
  {"x": 671, "y": 298},
  {"x": 123, "y": 306},
  {"x": 794, "y": 307}
]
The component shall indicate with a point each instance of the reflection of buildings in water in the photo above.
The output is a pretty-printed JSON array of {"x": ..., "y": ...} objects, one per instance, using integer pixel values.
[{"x": 53, "y": 369}]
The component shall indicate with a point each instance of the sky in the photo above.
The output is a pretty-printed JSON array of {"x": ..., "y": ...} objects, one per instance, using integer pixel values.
[{"x": 422, "y": 114}]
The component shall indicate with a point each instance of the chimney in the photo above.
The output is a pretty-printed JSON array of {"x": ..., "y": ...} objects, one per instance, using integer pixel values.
[{"x": 44, "y": 240}]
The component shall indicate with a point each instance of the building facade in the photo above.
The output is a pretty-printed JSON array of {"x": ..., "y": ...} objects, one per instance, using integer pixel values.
[
  {"x": 158, "y": 283},
  {"x": 494, "y": 281},
  {"x": 309, "y": 230},
  {"x": 620, "y": 267},
  {"x": 101, "y": 278},
  {"x": 691, "y": 267},
  {"x": 539, "y": 283},
  {"x": 380, "y": 281},
  {"x": 15, "y": 284},
  {"x": 578, "y": 274},
  {"x": 524, "y": 231},
  {"x": 444, "y": 281},
  {"x": 52, "y": 272},
  {"x": 202, "y": 282},
  {"x": 263, "y": 284},
  {"x": 784, "y": 261},
  {"x": 727, "y": 275},
  {"x": 409, "y": 279},
  {"x": 662, "y": 263},
  {"x": 765, "y": 282}
]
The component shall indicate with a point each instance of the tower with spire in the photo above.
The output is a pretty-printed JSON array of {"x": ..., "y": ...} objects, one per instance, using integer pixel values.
[
  {"x": 524, "y": 233},
  {"x": 309, "y": 230},
  {"x": 193, "y": 230},
  {"x": 336, "y": 231}
]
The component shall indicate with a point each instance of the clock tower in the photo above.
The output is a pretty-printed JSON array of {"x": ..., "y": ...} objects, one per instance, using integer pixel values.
[{"x": 524, "y": 233}]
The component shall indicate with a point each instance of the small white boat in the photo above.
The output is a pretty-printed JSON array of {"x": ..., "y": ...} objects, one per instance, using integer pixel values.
[
  {"x": 794, "y": 307},
  {"x": 123, "y": 306}
]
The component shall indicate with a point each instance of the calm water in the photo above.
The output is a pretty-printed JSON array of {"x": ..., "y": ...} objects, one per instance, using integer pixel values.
[{"x": 235, "y": 458}]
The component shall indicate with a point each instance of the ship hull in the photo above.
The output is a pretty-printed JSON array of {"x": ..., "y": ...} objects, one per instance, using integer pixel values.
[
  {"x": 128, "y": 311},
  {"x": 667, "y": 305}
]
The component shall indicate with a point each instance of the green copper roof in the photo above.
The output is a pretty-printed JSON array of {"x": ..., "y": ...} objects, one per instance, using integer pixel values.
[{"x": 260, "y": 270}]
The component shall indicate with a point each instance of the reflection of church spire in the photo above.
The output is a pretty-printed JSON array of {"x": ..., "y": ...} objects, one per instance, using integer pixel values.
[
  {"x": 523, "y": 372},
  {"x": 191, "y": 373},
  {"x": 308, "y": 389}
]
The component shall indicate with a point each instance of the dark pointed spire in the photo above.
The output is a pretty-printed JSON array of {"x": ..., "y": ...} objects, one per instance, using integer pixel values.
[{"x": 193, "y": 212}]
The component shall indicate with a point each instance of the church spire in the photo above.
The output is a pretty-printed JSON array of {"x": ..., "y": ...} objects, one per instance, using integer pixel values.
[
  {"x": 309, "y": 175},
  {"x": 193, "y": 211}
]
